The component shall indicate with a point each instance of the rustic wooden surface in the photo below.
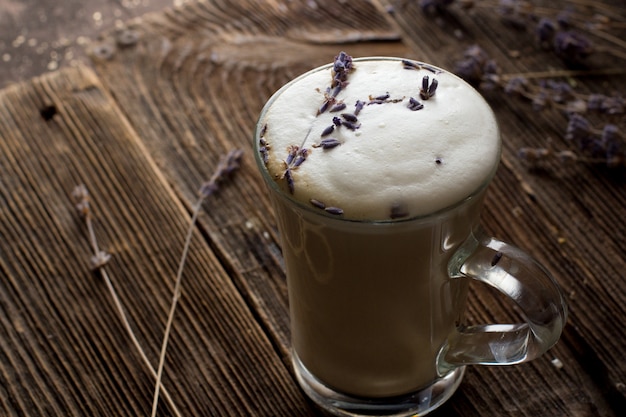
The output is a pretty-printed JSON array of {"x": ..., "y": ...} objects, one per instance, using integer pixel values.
[{"x": 146, "y": 125}]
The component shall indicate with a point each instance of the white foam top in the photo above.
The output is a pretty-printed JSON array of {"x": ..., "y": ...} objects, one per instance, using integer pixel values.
[{"x": 398, "y": 162}]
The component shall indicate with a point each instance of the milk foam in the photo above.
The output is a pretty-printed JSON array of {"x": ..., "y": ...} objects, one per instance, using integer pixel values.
[{"x": 399, "y": 162}]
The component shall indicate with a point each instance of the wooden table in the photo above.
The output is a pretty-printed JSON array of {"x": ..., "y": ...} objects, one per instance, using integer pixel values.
[{"x": 146, "y": 125}]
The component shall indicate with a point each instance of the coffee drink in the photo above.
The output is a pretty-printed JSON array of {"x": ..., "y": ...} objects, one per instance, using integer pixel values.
[{"x": 378, "y": 168}]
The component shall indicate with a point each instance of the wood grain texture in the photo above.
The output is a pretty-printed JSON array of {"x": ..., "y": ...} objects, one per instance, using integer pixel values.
[
  {"x": 74, "y": 357},
  {"x": 171, "y": 93}
]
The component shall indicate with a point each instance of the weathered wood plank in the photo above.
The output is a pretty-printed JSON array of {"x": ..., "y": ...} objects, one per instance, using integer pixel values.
[
  {"x": 197, "y": 76},
  {"x": 63, "y": 349}
]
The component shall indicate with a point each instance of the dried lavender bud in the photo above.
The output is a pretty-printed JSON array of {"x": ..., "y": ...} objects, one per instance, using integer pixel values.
[
  {"x": 328, "y": 143},
  {"x": 491, "y": 67},
  {"x": 431, "y": 69},
  {"x": 340, "y": 85},
  {"x": 290, "y": 182},
  {"x": 323, "y": 107},
  {"x": 350, "y": 117},
  {"x": 374, "y": 101},
  {"x": 397, "y": 211},
  {"x": 302, "y": 155},
  {"x": 438, "y": 161},
  {"x": 333, "y": 210},
  {"x": 338, "y": 107},
  {"x": 545, "y": 30},
  {"x": 410, "y": 64},
  {"x": 612, "y": 143},
  {"x": 470, "y": 70},
  {"x": 496, "y": 258},
  {"x": 433, "y": 87},
  {"x": 472, "y": 67},
  {"x": 341, "y": 67},
  {"x": 516, "y": 86},
  {"x": 343, "y": 62},
  {"x": 318, "y": 204},
  {"x": 572, "y": 47},
  {"x": 336, "y": 121},
  {"x": 560, "y": 91},
  {"x": 428, "y": 90},
  {"x": 350, "y": 125},
  {"x": 264, "y": 154},
  {"x": 227, "y": 165},
  {"x": 263, "y": 130},
  {"x": 605, "y": 104},
  {"x": 292, "y": 151},
  {"x": 578, "y": 130},
  {"x": 382, "y": 97},
  {"x": 610, "y": 134},
  {"x": 414, "y": 104},
  {"x": 477, "y": 54},
  {"x": 358, "y": 106},
  {"x": 328, "y": 130}
]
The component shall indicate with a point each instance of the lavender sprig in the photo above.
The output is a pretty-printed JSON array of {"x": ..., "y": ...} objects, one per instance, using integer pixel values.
[
  {"x": 100, "y": 258},
  {"x": 226, "y": 166},
  {"x": 428, "y": 90}
]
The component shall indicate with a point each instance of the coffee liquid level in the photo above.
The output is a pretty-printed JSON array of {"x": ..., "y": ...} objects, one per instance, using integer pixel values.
[{"x": 370, "y": 298}]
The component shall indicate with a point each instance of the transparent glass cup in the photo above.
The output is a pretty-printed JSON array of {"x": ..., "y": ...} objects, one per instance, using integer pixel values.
[{"x": 377, "y": 307}]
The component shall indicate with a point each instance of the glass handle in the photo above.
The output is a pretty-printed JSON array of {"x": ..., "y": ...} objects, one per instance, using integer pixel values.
[{"x": 528, "y": 284}]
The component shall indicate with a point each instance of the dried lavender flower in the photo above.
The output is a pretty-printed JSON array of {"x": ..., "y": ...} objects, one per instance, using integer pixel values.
[
  {"x": 338, "y": 107},
  {"x": 496, "y": 258},
  {"x": 301, "y": 157},
  {"x": 397, "y": 211},
  {"x": 578, "y": 129},
  {"x": 605, "y": 104},
  {"x": 318, "y": 204},
  {"x": 414, "y": 104},
  {"x": 572, "y": 47},
  {"x": 545, "y": 31},
  {"x": 328, "y": 143},
  {"x": 292, "y": 151},
  {"x": 290, "y": 182},
  {"x": 350, "y": 125},
  {"x": 349, "y": 117},
  {"x": 333, "y": 210},
  {"x": 358, "y": 106},
  {"x": 328, "y": 130},
  {"x": 428, "y": 90},
  {"x": 227, "y": 165},
  {"x": 516, "y": 86}
]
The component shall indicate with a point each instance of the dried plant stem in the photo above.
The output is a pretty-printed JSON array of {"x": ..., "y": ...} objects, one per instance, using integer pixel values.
[
  {"x": 228, "y": 164},
  {"x": 175, "y": 298},
  {"x": 100, "y": 258}
]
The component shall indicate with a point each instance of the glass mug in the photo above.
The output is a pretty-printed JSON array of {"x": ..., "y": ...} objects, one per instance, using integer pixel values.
[{"x": 377, "y": 307}]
